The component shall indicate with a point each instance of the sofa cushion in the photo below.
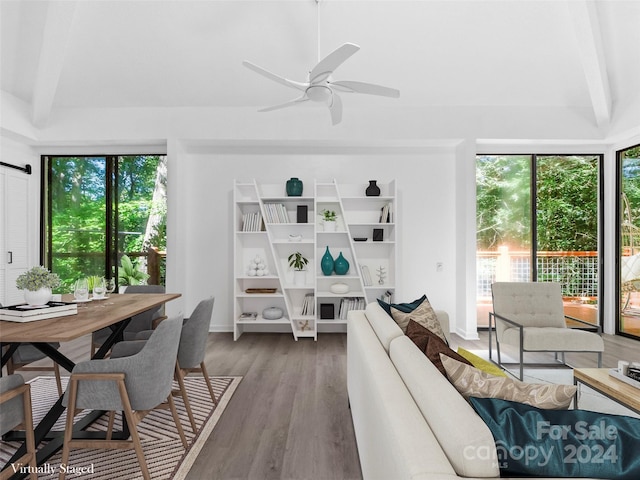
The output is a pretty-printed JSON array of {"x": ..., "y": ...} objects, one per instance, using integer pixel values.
[
  {"x": 471, "y": 382},
  {"x": 423, "y": 314},
  {"x": 431, "y": 345},
  {"x": 470, "y": 449},
  {"x": 481, "y": 364},
  {"x": 393, "y": 439},
  {"x": 572, "y": 443},
  {"x": 384, "y": 327}
]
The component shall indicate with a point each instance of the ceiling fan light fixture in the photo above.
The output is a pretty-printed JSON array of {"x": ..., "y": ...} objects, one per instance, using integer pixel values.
[{"x": 319, "y": 93}]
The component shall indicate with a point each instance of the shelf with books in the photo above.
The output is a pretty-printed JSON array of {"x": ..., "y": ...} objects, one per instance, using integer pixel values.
[{"x": 279, "y": 226}]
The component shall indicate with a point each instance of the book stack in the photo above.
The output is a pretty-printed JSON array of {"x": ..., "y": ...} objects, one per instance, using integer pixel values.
[
  {"x": 252, "y": 222},
  {"x": 348, "y": 304},
  {"x": 385, "y": 213},
  {"x": 387, "y": 296},
  {"x": 30, "y": 313},
  {"x": 276, "y": 213},
  {"x": 308, "y": 305}
]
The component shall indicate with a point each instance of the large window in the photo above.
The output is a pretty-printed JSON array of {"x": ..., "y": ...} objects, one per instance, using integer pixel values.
[
  {"x": 538, "y": 220},
  {"x": 96, "y": 209},
  {"x": 629, "y": 241}
]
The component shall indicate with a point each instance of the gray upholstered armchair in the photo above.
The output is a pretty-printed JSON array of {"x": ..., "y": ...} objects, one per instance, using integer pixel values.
[
  {"x": 15, "y": 410},
  {"x": 193, "y": 346},
  {"x": 133, "y": 384},
  {"x": 530, "y": 316}
]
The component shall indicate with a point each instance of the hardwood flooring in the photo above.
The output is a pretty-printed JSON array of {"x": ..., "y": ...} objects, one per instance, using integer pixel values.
[{"x": 289, "y": 417}]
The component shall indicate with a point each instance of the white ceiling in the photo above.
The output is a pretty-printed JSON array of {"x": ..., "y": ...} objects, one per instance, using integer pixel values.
[{"x": 573, "y": 54}]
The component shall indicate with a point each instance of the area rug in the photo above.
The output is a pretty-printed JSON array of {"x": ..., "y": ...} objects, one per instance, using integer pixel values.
[{"x": 165, "y": 456}]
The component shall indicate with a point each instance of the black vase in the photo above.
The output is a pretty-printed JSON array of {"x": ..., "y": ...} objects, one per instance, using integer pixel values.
[
  {"x": 294, "y": 187},
  {"x": 372, "y": 190}
]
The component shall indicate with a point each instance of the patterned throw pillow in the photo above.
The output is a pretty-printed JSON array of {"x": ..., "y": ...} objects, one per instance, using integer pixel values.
[
  {"x": 431, "y": 345},
  {"x": 423, "y": 314},
  {"x": 471, "y": 382}
]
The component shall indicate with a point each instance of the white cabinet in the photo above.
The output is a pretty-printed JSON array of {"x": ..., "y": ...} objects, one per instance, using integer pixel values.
[
  {"x": 14, "y": 235},
  {"x": 268, "y": 230}
]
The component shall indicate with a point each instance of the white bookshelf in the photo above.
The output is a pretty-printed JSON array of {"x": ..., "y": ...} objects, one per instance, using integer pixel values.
[{"x": 279, "y": 235}]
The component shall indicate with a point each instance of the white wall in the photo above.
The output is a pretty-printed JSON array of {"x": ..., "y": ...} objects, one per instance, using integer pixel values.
[{"x": 426, "y": 198}]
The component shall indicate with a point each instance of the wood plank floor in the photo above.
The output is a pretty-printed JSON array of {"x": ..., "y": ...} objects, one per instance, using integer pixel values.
[{"x": 289, "y": 418}]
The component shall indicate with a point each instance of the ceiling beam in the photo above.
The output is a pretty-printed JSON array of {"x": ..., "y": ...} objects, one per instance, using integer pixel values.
[
  {"x": 55, "y": 39},
  {"x": 586, "y": 26}
]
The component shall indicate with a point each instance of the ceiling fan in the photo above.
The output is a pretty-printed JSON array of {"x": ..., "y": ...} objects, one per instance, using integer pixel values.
[{"x": 320, "y": 86}]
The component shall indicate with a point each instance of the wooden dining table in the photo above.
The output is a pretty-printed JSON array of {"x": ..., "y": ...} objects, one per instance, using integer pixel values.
[{"x": 114, "y": 312}]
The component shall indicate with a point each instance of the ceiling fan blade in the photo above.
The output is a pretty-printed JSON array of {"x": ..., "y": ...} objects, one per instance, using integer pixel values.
[
  {"x": 332, "y": 61},
  {"x": 290, "y": 103},
  {"x": 368, "y": 88},
  {"x": 335, "y": 109},
  {"x": 274, "y": 77}
]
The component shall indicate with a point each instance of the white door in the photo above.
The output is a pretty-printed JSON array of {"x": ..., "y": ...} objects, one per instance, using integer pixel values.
[{"x": 14, "y": 234}]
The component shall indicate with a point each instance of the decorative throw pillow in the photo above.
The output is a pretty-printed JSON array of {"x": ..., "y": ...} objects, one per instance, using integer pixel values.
[
  {"x": 403, "y": 307},
  {"x": 481, "y": 364},
  {"x": 423, "y": 314},
  {"x": 471, "y": 382},
  {"x": 431, "y": 345},
  {"x": 561, "y": 444}
]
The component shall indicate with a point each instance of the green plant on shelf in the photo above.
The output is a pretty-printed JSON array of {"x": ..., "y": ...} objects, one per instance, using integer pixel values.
[
  {"x": 297, "y": 261},
  {"x": 329, "y": 215}
]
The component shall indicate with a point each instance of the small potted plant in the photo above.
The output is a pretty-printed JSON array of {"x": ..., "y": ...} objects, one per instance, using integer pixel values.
[
  {"x": 37, "y": 284},
  {"x": 329, "y": 217},
  {"x": 129, "y": 273},
  {"x": 298, "y": 262}
]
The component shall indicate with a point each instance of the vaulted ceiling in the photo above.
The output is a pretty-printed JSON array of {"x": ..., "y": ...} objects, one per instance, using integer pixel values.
[{"x": 576, "y": 55}]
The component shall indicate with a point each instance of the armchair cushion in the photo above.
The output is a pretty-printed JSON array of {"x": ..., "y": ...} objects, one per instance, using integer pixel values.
[{"x": 553, "y": 339}]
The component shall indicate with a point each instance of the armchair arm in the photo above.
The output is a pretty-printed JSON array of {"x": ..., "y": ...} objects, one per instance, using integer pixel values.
[
  {"x": 512, "y": 322},
  {"x": 584, "y": 322}
]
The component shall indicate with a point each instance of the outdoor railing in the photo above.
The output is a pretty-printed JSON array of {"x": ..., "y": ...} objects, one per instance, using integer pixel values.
[{"x": 576, "y": 271}]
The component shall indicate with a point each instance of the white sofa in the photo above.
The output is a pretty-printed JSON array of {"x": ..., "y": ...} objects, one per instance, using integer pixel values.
[{"x": 409, "y": 421}]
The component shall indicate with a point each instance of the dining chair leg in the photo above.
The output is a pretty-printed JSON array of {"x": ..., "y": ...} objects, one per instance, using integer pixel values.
[
  {"x": 56, "y": 370},
  {"x": 176, "y": 419},
  {"x": 133, "y": 430},
  {"x": 185, "y": 397},
  {"x": 206, "y": 379},
  {"x": 29, "y": 432},
  {"x": 112, "y": 416},
  {"x": 68, "y": 430}
]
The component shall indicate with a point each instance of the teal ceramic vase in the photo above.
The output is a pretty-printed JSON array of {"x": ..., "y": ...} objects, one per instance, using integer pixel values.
[
  {"x": 294, "y": 187},
  {"x": 327, "y": 263},
  {"x": 341, "y": 265}
]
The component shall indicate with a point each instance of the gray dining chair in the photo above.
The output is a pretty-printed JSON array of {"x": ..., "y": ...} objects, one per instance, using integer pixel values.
[
  {"x": 143, "y": 321},
  {"x": 15, "y": 412},
  {"x": 134, "y": 380},
  {"x": 193, "y": 346},
  {"x": 26, "y": 354}
]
